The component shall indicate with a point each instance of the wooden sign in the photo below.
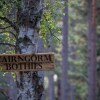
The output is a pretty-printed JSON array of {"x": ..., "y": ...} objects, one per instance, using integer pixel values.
[{"x": 27, "y": 62}]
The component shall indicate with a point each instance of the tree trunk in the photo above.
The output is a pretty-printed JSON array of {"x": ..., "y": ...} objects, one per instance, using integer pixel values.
[
  {"x": 92, "y": 71},
  {"x": 64, "y": 77},
  {"x": 30, "y": 84},
  {"x": 51, "y": 88},
  {"x": 12, "y": 90},
  {"x": 72, "y": 93},
  {"x": 51, "y": 48},
  {"x": 59, "y": 88}
]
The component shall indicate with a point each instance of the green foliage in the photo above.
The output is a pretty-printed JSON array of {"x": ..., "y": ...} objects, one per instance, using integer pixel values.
[
  {"x": 51, "y": 21},
  {"x": 51, "y": 28}
]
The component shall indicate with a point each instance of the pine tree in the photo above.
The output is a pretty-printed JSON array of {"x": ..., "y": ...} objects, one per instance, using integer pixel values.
[
  {"x": 92, "y": 71},
  {"x": 64, "y": 77}
]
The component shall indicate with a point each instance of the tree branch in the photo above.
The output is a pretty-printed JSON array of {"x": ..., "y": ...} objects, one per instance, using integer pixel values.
[
  {"x": 5, "y": 94},
  {"x": 8, "y": 44},
  {"x": 10, "y": 23},
  {"x": 3, "y": 28},
  {"x": 10, "y": 33},
  {"x": 49, "y": 28}
]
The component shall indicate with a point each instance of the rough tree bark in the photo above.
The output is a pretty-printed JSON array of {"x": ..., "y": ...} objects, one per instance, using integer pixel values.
[
  {"x": 30, "y": 84},
  {"x": 92, "y": 71},
  {"x": 64, "y": 77}
]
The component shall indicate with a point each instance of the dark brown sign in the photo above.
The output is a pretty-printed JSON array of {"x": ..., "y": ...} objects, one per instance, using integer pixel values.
[{"x": 27, "y": 62}]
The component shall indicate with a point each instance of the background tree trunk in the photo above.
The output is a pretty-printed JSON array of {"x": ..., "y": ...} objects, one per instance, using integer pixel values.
[
  {"x": 51, "y": 87},
  {"x": 64, "y": 77},
  {"x": 92, "y": 70},
  {"x": 72, "y": 93},
  {"x": 30, "y": 84},
  {"x": 51, "y": 48}
]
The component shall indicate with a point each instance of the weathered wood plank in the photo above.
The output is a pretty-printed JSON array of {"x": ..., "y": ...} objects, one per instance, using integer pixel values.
[{"x": 27, "y": 62}]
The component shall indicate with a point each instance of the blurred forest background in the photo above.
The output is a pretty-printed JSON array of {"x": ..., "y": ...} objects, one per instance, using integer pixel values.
[{"x": 76, "y": 37}]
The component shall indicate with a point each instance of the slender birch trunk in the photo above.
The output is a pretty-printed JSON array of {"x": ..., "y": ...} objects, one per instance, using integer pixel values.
[
  {"x": 30, "y": 84},
  {"x": 64, "y": 77},
  {"x": 92, "y": 71}
]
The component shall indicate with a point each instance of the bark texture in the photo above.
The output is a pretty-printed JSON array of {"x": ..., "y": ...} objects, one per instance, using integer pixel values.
[
  {"x": 30, "y": 84},
  {"x": 92, "y": 71},
  {"x": 64, "y": 77}
]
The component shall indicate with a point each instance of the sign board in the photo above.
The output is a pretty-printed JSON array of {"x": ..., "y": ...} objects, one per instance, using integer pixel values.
[{"x": 27, "y": 62}]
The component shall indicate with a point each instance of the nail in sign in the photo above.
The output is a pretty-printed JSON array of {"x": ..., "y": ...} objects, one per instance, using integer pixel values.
[{"x": 27, "y": 62}]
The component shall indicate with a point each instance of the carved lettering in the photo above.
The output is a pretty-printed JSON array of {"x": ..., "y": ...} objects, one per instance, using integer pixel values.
[
  {"x": 8, "y": 67},
  {"x": 27, "y": 62}
]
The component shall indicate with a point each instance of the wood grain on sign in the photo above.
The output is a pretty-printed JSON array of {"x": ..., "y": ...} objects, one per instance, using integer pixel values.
[{"x": 27, "y": 62}]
